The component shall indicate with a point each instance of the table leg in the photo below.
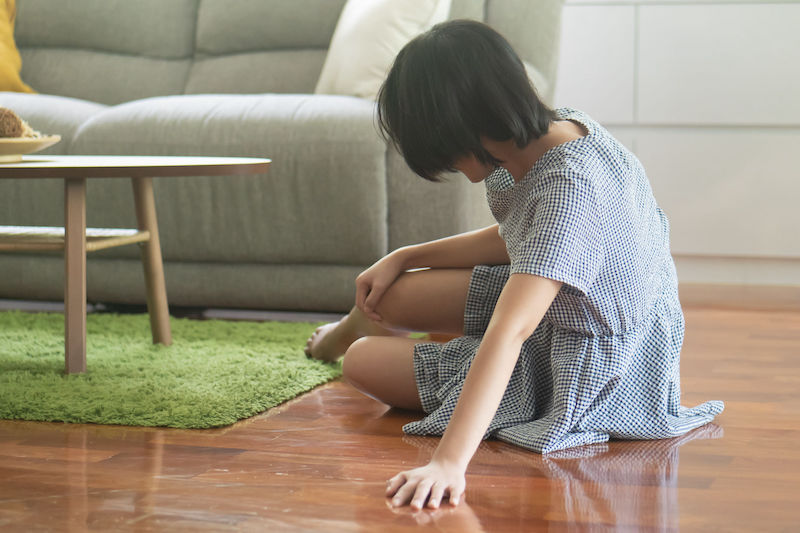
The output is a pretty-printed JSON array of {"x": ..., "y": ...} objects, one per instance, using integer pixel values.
[
  {"x": 75, "y": 275},
  {"x": 151, "y": 258}
]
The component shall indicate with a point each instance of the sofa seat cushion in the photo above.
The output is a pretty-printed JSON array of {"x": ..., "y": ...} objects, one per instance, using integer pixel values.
[
  {"x": 327, "y": 179},
  {"x": 52, "y": 115}
]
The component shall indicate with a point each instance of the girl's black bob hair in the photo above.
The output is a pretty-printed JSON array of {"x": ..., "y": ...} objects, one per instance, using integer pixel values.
[{"x": 449, "y": 87}]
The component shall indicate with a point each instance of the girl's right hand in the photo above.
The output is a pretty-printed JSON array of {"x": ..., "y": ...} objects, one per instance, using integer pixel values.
[{"x": 372, "y": 284}]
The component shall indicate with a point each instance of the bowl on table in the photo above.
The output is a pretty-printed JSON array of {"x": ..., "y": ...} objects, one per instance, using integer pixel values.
[{"x": 13, "y": 148}]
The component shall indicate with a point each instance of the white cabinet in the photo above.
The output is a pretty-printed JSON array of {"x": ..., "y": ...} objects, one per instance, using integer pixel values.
[
  {"x": 707, "y": 94},
  {"x": 596, "y": 66},
  {"x": 727, "y": 192},
  {"x": 735, "y": 64}
]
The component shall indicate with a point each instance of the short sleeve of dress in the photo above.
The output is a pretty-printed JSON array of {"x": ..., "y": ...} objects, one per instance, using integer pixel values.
[{"x": 556, "y": 229}]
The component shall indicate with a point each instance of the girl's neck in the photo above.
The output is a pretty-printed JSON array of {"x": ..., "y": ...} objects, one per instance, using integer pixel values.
[{"x": 519, "y": 161}]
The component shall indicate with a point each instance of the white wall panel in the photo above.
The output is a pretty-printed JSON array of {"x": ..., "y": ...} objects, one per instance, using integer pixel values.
[
  {"x": 727, "y": 192},
  {"x": 624, "y": 134},
  {"x": 719, "y": 64},
  {"x": 737, "y": 271},
  {"x": 596, "y": 62}
]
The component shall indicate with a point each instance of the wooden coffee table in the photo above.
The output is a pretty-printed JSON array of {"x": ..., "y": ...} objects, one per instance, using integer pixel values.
[{"x": 76, "y": 240}]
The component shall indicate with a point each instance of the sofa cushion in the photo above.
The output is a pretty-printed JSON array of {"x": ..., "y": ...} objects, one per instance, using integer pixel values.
[
  {"x": 86, "y": 49},
  {"x": 163, "y": 29},
  {"x": 536, "y": 42},
  {"x": 468, "y": 9},
  {"x": 237, "y": 26},
  {"x": 257, "y": 46},
  {"x": 10, "y": 62},
  {"x": 368, "y": 36},
  {"x": 105, "y": 78},
  {"x": 52, "y": 115},
  {"x": 277, "y": 71},
  {"x": 327, "y": 158}
]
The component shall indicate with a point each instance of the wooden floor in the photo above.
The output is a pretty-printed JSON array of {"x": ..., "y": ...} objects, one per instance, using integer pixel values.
[{"x": 319, "y": 463}]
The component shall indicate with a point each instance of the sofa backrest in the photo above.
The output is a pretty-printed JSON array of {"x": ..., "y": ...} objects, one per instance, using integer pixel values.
[
  {"x": 261, "y": 45},
  {"x": 114, "y": 51},
  {"x": 106, "y": 51}
]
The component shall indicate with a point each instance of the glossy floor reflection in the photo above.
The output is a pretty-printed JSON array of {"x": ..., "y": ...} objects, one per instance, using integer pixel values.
[{"x": 319, "y": 463}]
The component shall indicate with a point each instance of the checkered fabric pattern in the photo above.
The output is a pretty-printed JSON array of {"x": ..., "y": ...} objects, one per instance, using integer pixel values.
[{"x": 604, "y": 362}]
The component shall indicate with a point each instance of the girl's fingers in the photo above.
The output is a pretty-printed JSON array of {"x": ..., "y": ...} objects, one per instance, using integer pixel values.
[
  {"x": 363, "y": 294},
  {"x": 395, "y": 483},
  {"x": 371, "y": 302},
  {"x": 421, "y": 494},
  {"x": 456, "y": 494},
  {"x": 423, "y": 485},
  {"x": 403, "y": 494},
  {"x": 362, "y": 291},
  {"x": 437, "y": 493}
]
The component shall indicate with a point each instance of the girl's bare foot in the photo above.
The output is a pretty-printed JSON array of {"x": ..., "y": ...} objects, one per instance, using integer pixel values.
[{"x": 329, "y": 342}]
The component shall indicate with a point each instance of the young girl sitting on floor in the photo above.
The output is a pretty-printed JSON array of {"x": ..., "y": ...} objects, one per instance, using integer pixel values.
[{"x": 566, "y": 312}]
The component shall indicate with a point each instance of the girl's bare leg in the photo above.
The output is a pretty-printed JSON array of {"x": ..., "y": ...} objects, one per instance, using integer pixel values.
[
  {"x": 425, "y": 301},
  {"x": 379, "y": 358},
  {"x": 383, "y": 368}
]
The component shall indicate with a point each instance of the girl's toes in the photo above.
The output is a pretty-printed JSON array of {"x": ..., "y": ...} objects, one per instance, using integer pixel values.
[{"x": 307, "y": 348}]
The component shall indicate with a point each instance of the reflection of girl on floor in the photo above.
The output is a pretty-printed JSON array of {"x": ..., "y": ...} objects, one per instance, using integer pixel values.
[{"x": 566, "y": 312}]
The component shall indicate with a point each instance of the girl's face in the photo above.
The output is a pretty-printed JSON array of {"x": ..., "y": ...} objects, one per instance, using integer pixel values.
[{"x": 474, "y": 170}]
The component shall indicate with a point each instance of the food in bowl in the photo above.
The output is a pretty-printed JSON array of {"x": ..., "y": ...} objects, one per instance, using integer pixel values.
[{"x": 11, "y": 125}]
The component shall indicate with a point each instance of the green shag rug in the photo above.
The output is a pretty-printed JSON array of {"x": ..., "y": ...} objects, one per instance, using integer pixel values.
[{"x": 215, "y": 373}]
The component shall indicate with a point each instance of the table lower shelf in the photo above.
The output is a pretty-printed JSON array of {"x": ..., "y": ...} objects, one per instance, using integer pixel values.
[{"x": 45, "y": 238}]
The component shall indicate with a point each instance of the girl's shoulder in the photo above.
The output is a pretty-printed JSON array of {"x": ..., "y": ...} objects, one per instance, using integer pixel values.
[
  {"x": 582, "y": 159},
  {"x": 596, "y": 152},
  {"x": 576, "y": 115},
  {"x": 565, "y": 155}
]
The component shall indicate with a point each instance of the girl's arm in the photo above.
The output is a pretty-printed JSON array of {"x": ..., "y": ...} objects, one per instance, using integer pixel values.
[
  {"x": 479, "y": 247},
  {"x": 520, "y": 308},
  {"x": 465, "y": 250}
]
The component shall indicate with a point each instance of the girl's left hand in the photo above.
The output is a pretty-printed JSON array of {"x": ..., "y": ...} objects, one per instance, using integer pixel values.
[{"x": 430, "y": 483}]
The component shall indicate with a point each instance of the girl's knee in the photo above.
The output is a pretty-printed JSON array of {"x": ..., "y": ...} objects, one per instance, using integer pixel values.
[
  {"x": 355, "y": 361},
  {"x": 401, "y": 299},
  {"x": 383, "y": 369}
]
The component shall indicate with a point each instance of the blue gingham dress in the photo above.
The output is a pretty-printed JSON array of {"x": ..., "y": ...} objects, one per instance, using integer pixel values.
[{"x": 604, "y": 361}]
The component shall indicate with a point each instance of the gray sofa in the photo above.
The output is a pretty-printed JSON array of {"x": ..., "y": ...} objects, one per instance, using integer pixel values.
[{"x": 231, "y": 78}]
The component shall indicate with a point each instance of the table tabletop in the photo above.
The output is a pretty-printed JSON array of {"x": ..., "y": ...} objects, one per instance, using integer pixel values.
[{"x": 125, "y": 166}]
